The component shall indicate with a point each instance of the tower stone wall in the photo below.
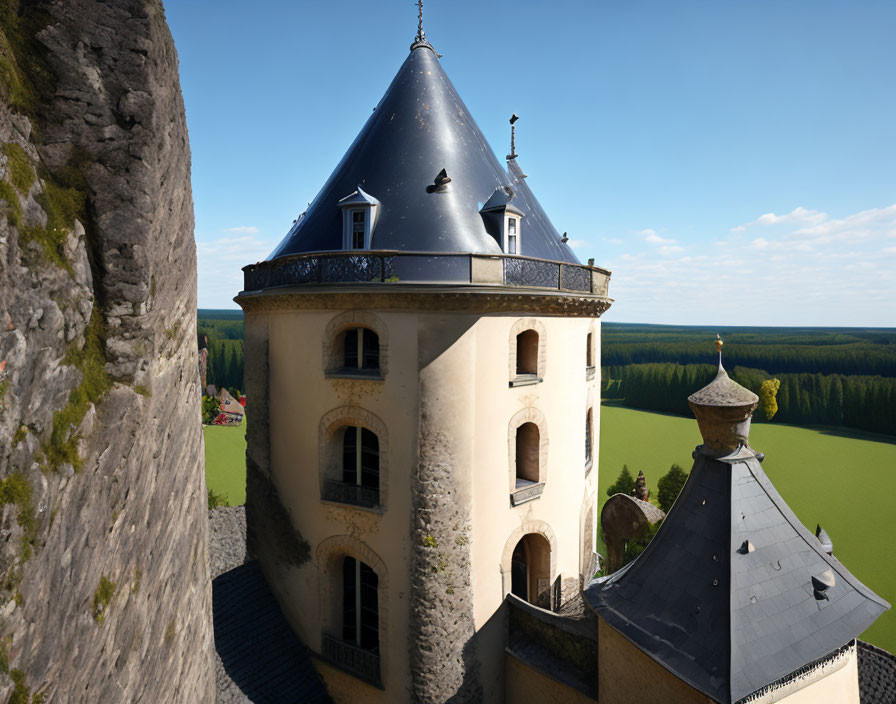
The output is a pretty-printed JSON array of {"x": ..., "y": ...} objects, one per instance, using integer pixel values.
[{"x": 445, "y": 411}]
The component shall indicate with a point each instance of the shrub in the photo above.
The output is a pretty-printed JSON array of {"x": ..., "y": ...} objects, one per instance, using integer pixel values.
[
  {"x": 669, "y": 486},
  {"x": 624, "y": 484}
]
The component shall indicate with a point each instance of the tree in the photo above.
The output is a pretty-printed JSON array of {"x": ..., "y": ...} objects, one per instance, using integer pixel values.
[
  {"x": 209, "y": 409},
  {"x": 625, "y": 483},
  {"x": 669, "y": 486},
  {"x": 768, "y": 397}
]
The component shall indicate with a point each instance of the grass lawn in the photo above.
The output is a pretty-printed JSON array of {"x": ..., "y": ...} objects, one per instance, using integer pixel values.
[
  {"x": 225, "y": 461},
  {"x": 845, "y": 481}
]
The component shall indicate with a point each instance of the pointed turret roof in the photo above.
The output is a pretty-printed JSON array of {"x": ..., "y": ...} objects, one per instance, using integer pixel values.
[
  {"x": 420, "y": 127},
  {"x": 733, "y": 594}
]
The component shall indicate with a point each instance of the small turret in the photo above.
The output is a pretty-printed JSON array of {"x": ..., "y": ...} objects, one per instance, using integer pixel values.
[{"x": 723, "y": 409}]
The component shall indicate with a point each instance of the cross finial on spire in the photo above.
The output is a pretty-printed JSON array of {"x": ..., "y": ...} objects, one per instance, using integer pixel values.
[{"x": 421, "y": 35}]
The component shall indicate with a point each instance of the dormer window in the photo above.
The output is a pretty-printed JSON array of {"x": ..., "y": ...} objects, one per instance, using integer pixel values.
[
  {"x": 503, "y": 220},
  {"x": 512, "y": 235},
  {"x": 359, "y": 212},
  {"x": 359, "y": 225}
]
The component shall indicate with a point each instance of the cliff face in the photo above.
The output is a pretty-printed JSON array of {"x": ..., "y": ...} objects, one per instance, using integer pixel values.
[{"x": 104, "y": 591}]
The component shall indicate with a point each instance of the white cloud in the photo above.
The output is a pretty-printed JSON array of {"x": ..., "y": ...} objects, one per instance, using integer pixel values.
[
  {"x": 650, "y": 235},
  {"x": 578, "y": 244},
  {"x": 242, "y": 229},
  {"x": 798, "y": 215},
  {"x": 220, "y": 263},
  {"x": 666, "y": 250},
  {"x": 806, "y": 268}
]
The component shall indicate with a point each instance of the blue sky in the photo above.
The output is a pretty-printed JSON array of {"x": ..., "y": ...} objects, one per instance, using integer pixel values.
[{"x": 731, "y": 162}]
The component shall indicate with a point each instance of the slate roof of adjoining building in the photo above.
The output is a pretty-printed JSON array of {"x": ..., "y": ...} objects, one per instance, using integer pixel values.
[
  {"x": 420, "y": 127},
  {"x": 260, "y": 652},
  {"x": 877, "y": 674},
  {"x": 734, "y": 593}
]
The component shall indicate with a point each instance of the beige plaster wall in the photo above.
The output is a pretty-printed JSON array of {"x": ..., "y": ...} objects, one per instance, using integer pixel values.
[
  {"x": 841, "y": 686},
  {"x": 559, "y": 403},
  {"x": 526, "y": 685},
  {"x": 300, "y": 397},
  {"x": 628, "y": 676},
  {"x": 451, "y": 351},
  {"x": 344, "y": 688}
]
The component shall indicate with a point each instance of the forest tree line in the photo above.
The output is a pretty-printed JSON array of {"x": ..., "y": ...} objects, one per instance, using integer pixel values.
[
  {"x": 225, "y": 351},
  {"x": 855, "y": 401}
]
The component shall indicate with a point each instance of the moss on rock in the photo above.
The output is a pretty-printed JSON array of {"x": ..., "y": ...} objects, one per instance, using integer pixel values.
[
  {"x": 21, "y": 173},
  {"x": 90, "y": 360},
  {"x": 102, "y": 597}
]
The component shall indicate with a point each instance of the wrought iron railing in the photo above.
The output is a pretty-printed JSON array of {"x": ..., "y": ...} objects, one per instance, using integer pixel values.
[
  {"x": 387, "y": 267},
  {"x": 353, "y": 494},
  {"x": 362, "y": 663}
]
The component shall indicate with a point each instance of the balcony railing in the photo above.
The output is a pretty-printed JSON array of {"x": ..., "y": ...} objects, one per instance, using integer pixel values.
[
  {"x": 387, "y": 267},
  {"x": 353, "y": 494},
  {"x": 364, "y": 664}
]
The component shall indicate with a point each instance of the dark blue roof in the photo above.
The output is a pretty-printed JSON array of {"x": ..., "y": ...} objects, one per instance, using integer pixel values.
[
  {"x": 726, "y": 596},
  {"x": 420, "y": 127}
]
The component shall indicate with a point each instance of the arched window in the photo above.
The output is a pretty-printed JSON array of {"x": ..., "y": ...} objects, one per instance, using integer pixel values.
[
  {"x": 360, "y": 483},
  {"x": 527, "y": 353},
  {"x": 361, "y": 350},
  {"x": 589, "y": 356},
  {"x": 589, "y": 442},
  {"x": 360, "y": 610},
  {"x": 528, "y": 447}
]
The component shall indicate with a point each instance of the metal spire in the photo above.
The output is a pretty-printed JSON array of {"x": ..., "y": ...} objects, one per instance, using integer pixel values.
[
  {"x": 719, "y": 344},
  {"x": 513, "y": 155},
  {"x": 421, "y": 35},
  {"x": 420, "y": 39}
]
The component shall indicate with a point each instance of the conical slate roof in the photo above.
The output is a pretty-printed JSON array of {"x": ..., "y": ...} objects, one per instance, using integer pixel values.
[
  {"x": 723, "y": 391},
  {"x": 734, "y": 594},
  {"x": 420, "y": 127}
]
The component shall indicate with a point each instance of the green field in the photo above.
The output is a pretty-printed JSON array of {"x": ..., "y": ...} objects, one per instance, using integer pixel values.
[
  {"x": 225, "y": 461},
  {"x": 845, "y": 481}
]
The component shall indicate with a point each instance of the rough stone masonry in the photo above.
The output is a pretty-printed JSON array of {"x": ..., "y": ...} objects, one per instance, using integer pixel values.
[{"x": 104, "y": 588}]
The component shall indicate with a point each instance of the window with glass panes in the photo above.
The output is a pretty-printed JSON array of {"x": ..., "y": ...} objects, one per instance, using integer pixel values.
[
  {"x": 362, "y": 349},
  {"x": 358, "y": 218},
  {"x": 511, "y": 235},
  {"x": 360, "y": 612},
  {"x": 588, "y": 443},
  {"x": 360, "y": 457}
]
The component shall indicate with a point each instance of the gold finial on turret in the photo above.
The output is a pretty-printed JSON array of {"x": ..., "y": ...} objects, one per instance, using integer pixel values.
[{"x": 719, "y": 344}]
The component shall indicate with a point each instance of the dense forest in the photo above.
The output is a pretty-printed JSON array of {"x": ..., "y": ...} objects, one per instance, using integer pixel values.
[
  {"x": 225, "y": 333},
  {"x": 840, "y": 377}
]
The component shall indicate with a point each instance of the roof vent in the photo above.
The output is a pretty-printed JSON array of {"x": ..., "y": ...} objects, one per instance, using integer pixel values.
[
  {"x": 821, "y": 583},
  {"x": 564, "y": 239},
  {"x": 746, "y": 547},
  {"x": 826, "y": 544},
  {"x": 440, "y": 184}
]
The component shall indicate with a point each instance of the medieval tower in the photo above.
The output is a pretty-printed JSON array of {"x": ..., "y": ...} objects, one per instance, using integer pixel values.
[{"x": 425, "y": 402}]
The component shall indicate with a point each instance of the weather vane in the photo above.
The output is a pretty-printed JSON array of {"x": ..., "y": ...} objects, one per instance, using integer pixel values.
[
  {"x": 421, "y": 35},
  {"x": 513, "y": 154}
]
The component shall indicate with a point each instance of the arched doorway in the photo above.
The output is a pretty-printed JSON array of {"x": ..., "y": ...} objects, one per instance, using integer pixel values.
[{"x": 530, "y": 570}]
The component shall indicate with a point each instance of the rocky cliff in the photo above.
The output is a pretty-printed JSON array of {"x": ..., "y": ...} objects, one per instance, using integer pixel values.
[{"x": 104, "y": 591}]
